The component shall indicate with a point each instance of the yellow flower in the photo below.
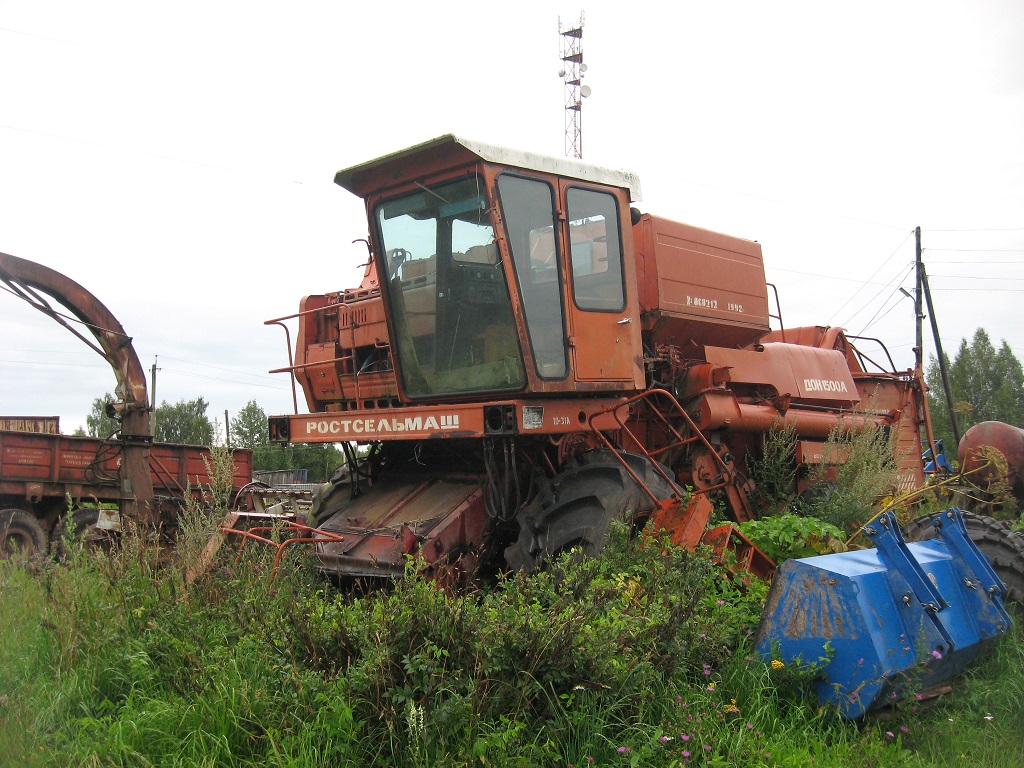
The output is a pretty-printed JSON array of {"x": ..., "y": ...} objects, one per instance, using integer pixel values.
[{"x": 776, "y": 664}]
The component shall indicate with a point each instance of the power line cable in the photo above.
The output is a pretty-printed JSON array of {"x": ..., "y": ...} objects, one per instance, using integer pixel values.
[
  {"x": 219, "y": 368},
  {"x": 106, "y": 368},
  {"x": 975, "y": 261},
  {"x": 98, "y": 366},
  {"x": 973, "y": 277},
  {"x": 988, "y": 290},
  {"x": 824, "y": 277},
  {"x": 898, "y": 279},
  {"x": 876, "y": 317},
  {"x": 882, "y": 316},
  {"x": 974, "y": 250},
  {"x": 871, "y": 277},
  {"x": 40, "y": 37},
  {"x": 215, "y": 378},
  {"x": 981, "y": 229}
]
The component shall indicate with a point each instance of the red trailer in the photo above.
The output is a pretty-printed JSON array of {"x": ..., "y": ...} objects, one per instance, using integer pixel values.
[{"x": 42, "y": 472}]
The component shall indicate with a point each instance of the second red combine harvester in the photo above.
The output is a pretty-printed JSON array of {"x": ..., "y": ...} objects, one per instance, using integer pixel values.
[{"x": 528, "y": 357}]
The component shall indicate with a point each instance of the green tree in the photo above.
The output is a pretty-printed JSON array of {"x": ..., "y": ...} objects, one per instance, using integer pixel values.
[
  {"x": 249, "y": 427},
  {"x": 249, "y": 430},
  {"x": 987, "y": 384},
  {"x": 319, "y": 459},
  {"x": 184, "y": 422},
  {"x": 97, "y": 423}
]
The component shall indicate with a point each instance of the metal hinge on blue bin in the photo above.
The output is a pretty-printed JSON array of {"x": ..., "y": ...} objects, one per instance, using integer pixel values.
[
  {"x": 951, "y": 527},
  {"x": 974, "y": 570}
]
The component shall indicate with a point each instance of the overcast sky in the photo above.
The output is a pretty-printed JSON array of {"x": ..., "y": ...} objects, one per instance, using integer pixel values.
[{"x": 177, "y": 158}]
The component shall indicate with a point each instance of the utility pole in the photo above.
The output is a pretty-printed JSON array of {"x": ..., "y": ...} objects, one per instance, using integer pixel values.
[
  {"x": 918, "y": 311},
  {"x": 942, "y": 358},
  {"x": 152, "y": 398},
  {"x": 924, "y": 292}
]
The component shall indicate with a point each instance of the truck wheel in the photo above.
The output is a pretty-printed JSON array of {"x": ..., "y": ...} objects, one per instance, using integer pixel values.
[
  {"x": 1003, "y": 548},
  {"x": 575, "y": 508},
  {"x": 20, "y": 534},
  {"x": 80, "y": 526}
]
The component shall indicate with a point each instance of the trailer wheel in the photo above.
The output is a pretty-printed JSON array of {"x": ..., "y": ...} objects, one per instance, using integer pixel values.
[
  {"x": 21, "y": 535},
  {"x": 575, "y": 508},
  {"x": 81, "y": 526},
  {"x": 996, "y": 540}
]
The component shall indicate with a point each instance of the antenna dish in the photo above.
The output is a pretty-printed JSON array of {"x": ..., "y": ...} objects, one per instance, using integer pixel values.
[
  {"x": 583, "y": 67},
  {"x": 561, "y": 73},
  {"x": 585, "y": 91}
]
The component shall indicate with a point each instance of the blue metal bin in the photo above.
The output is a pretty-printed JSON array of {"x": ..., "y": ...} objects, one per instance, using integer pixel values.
[{"x": 888, "y": 621}]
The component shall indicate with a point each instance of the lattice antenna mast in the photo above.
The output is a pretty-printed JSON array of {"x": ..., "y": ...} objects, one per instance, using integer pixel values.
[{"x": 571, "y": 54}]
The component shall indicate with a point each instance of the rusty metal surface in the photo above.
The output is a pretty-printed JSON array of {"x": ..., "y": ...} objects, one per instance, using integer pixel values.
[
  {"x": 48, "y": 466},
  {"x": 683, "y": 522},
  {"x": 432, "y": 517},
  {"x": 745, "y": 557},
  {"x": 472, "y": 420},
  {"x": 49, "y": 425},
  {"x": 1006, "y": 439},
  {"x": 699, "y": 285},
  {"x": 34, "y": 283}
]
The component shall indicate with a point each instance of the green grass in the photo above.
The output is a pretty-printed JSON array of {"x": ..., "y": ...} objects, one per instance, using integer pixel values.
[{"x": 639, "y": 658}]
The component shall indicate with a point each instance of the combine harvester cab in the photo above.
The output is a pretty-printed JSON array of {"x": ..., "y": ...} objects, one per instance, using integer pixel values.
[{"x": 885, "y": 622}]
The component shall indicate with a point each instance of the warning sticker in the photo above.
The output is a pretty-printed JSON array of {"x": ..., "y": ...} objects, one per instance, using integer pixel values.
[{"x": 533, "y": 416}]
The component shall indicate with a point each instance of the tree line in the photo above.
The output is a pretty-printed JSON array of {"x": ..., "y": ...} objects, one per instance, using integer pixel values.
[{"x": 987, "y": 384}]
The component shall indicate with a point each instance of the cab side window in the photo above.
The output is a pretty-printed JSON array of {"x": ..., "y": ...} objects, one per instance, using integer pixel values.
[{"x": 595, "y": 250}]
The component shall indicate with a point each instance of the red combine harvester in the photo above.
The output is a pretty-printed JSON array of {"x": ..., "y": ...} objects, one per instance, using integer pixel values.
[{"x": 528, "y": 356}]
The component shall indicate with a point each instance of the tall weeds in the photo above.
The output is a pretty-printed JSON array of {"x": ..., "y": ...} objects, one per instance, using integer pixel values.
[
  {"x": 860, "y": 467},
  {"x": 641, "y": 657}
]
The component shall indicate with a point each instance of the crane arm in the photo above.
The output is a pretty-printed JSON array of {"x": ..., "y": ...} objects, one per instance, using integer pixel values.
[{"x": 43, "y": 287}]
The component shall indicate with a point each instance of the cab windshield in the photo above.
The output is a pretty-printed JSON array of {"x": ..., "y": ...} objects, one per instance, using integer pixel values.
[{"x": 450, "y": 306}]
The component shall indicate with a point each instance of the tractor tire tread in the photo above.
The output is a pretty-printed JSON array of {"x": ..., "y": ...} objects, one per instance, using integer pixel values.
[
  {"x": 1003, "y": 547},
  {"x": 576, "y": 507},
  {"x": 28, "y": 533}
]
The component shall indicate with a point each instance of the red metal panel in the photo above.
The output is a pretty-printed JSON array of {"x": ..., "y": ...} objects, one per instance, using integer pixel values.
[
  {"x": 819, "y": 376},
  {"x": 699, "y": 285},
  {"x": 448, "y": 421},
  {"x": 54, "y": 465},
  {"x": 432, "y": 517},
  {"x": 1006, "y": 439}
]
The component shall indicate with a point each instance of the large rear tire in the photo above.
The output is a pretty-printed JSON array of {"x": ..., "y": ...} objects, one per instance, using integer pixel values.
[
  {"x": 21, "y": 535},
  {"x": 574, "y": 509},
  {"x": 996, "y": 540}
]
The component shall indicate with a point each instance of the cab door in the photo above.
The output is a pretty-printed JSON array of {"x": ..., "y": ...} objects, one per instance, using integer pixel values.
[{"x": 604, "y": 327}]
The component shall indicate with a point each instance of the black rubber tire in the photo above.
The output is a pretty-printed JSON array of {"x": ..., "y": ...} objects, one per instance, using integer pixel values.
[
  {"x": 996, "y": 540},
  {"x": 81, "y": 526},
  {"x": 21, "y": 534},
  {"x": 575, "y": 508}
]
